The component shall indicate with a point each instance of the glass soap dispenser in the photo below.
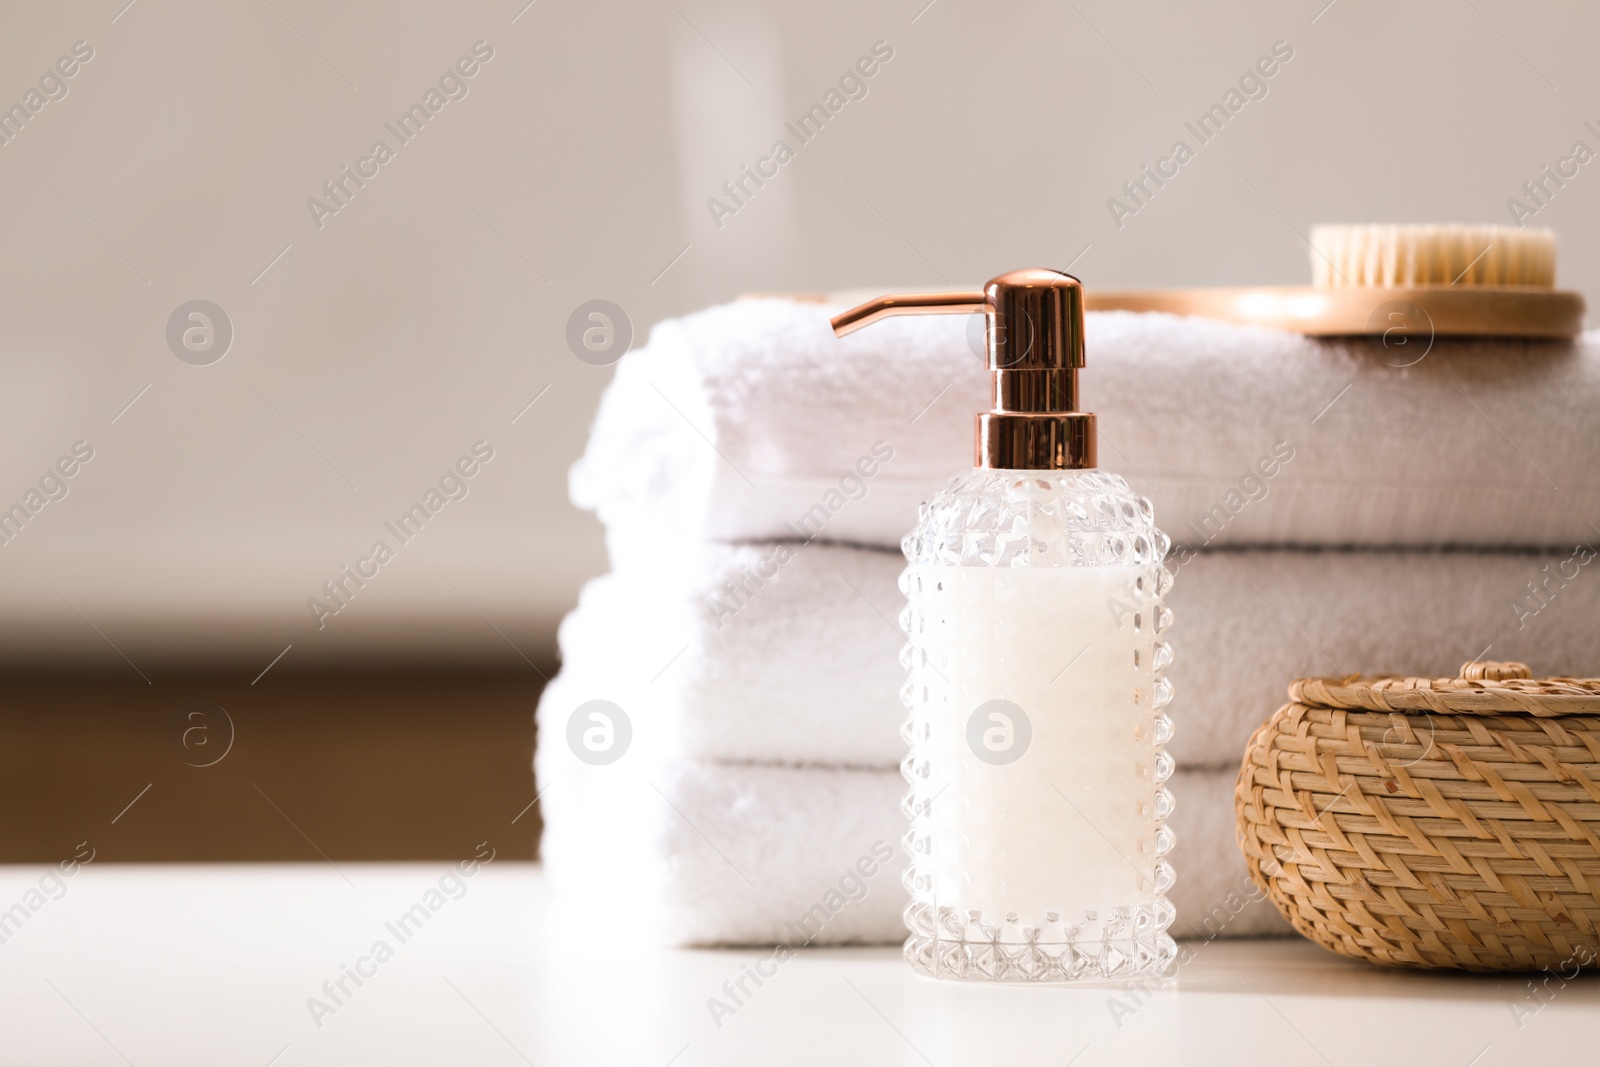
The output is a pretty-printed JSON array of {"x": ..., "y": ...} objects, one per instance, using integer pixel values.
[{"x": 1036, "y": 692}]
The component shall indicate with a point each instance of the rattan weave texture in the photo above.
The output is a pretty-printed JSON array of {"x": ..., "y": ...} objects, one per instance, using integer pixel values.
[{"x": 1432, "y": 822}]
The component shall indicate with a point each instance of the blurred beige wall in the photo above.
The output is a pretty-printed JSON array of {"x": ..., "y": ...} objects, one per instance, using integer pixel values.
[{"x": 373, "y": 347}]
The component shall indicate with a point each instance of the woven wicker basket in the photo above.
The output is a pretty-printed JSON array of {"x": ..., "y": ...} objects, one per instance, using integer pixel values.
[{"x": 1432, "y": 822}]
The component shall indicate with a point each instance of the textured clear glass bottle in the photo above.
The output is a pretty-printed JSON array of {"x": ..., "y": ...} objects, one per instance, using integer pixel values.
[
  {"x": 1037, "y": 689},
  {"x": 1037, "y": 730}
]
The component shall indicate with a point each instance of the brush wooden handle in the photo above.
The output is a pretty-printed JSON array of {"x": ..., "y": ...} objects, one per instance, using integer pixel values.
[{"x": 1443, "y": 310}]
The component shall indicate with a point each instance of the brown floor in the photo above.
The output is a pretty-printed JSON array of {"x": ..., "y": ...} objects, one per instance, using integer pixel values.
[{"x": 357, "y": 765}]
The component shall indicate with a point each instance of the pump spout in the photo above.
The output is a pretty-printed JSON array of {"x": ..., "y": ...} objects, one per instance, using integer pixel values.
[
  {"x": 970, "y": 302},
  {"x": 1033, "y": 340}
]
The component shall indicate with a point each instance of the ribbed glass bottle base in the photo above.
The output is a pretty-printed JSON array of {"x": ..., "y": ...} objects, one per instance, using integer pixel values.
[
  {"x": 1130, "y": 942},
  {"x": 1084, "y": 961}
]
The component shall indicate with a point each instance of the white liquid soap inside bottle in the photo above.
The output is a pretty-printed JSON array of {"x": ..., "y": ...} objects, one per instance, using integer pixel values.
[{"x": 1036, "y": 693}]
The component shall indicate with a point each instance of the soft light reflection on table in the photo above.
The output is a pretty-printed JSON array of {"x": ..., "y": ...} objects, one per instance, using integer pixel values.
[{"x": 207, "y": 965}]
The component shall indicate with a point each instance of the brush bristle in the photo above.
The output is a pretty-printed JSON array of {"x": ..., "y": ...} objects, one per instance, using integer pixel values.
[{"x": 1390, "y": 256}]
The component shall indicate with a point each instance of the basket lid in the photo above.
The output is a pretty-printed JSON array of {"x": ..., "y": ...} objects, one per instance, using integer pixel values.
[{"x": 1482, "y": 688}]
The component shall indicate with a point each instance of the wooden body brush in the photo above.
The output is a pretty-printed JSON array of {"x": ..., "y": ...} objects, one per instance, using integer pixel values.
[{"x": 1449, "y": 280}]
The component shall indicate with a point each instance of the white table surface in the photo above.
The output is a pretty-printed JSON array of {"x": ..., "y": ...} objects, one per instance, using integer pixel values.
[{"x": 214, "y": 965}]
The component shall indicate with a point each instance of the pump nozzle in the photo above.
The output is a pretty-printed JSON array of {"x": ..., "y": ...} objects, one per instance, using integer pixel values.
[
  {"x": 961, "y": 303},
  {"x": 1034, "y": 343}
]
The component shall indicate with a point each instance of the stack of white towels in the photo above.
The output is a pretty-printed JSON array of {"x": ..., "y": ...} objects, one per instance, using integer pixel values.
[{"x": 1333, "y": 513}]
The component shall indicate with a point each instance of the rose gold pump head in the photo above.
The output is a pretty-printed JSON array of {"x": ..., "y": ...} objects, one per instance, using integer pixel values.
[{"x": 1034, "y": 340}]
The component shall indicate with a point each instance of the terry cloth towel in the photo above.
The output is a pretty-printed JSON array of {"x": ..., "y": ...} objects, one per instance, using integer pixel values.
[
  {"x": 751, "y": 421},
  {"x": 718, "y": 854},
  {"x": 783, "y": 653}
]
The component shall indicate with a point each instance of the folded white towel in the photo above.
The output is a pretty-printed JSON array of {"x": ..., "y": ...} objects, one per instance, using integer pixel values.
[
  {"x": 694, "y": 853},
  {"x": 715, "y": 662},
  {"x": 750, "y": 420},
  {"x": 790, "y": 654}
]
